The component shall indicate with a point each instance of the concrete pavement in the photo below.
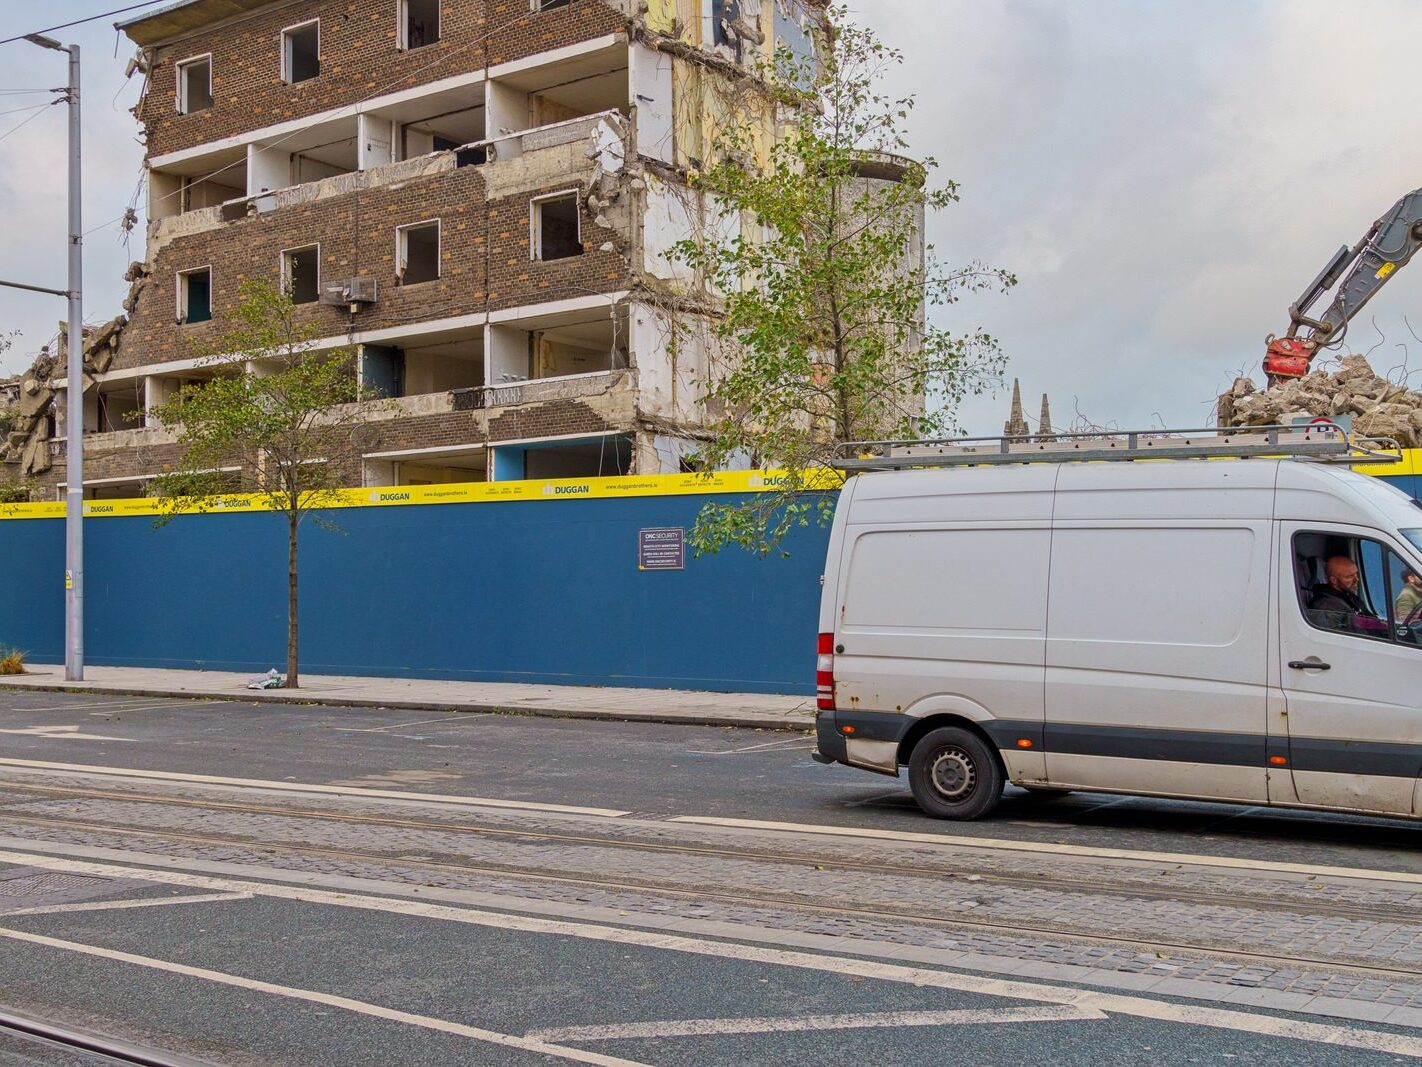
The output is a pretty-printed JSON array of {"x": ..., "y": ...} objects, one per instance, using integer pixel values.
[{"x": 756, "y": 710}]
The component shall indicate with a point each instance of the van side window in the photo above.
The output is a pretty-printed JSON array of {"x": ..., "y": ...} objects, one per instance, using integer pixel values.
[
  {"x": 1405, "y": 595},
  {"x": 1355, "y": 586}
]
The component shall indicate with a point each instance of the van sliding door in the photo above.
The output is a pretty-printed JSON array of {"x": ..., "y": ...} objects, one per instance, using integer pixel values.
[{"x": 1157, "y": 646}]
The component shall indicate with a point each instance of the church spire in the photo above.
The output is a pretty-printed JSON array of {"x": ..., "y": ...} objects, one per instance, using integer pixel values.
[{"x": 1016, "y": 425}]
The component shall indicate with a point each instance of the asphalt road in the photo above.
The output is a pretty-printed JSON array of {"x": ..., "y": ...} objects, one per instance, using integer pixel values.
[
  {"x": 385, "y": 887},
  {"x": 641, "y": 767}
]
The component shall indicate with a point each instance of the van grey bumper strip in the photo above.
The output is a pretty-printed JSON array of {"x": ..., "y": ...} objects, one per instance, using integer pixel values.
[
  {"x": 1180, "y": 746},
  {"x": 1382, "y": 759}
]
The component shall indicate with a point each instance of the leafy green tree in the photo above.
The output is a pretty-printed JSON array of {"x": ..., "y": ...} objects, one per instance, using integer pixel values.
[
  {"x": 274, "y": 409},
  {"x": 820, "y": 331}
]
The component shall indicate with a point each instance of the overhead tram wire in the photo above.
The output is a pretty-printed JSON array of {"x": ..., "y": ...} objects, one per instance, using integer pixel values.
[
  {"x": 31, "y": 107},
  {"x": 38, "y": 112}
]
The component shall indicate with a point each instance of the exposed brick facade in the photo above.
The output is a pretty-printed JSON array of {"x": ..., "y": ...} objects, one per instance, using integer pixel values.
[
  {"x": 485, "y": 209},
  {"x": 360, "y": 58},
  {"x": 484, "y": 262},
  {"x": 552, "y": 419}
]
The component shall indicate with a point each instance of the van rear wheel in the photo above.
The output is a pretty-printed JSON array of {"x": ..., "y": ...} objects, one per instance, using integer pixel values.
[{"x": 954, "y": 774}]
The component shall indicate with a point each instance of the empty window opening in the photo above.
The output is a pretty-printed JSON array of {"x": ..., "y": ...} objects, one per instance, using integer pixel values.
[
  {"x": 557, "y": 229},
  {"x": 442, "y": 368},
  {"x": 195, "y": 295},
  {"x": 134, "y": 489},
  {"x": 441, "y": 133},
  {"x": 585, "y": 459},
  {"x": 195, "y": 85},
  {"x": 418, "y": 253},
  {"x": 113, "y": 406},
  {"x": 548, "y": 5},
  {"x": 420, "y": 22},
  {"x": 198, "y": 193},
  {"x": 328, "y": 160},
  {"x": 301, "y": 52},
  {"x": 301, "y": 274},
  {"x": 382, "y": 372}
]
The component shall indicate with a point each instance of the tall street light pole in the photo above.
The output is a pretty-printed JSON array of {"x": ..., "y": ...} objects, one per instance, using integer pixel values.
[{"x": 74, "y": 418}]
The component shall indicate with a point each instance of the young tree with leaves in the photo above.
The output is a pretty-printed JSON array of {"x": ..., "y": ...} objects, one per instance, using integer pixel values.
[
  {"x": 820, "y": 331},
  {"x": 274, "y": 408}
]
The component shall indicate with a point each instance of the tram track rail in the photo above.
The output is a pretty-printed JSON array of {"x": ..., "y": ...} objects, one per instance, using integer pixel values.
[
  {"x": 759, "y": 897},
  {"x": 101, "y": 1049}
]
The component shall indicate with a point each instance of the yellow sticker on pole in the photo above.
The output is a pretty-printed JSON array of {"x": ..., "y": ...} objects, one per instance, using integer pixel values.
[
  {"x": 1385, "y": 270},
  {"x": 68, "y": 579}
]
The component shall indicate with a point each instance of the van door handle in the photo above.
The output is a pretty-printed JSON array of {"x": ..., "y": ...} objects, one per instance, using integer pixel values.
[{"x": 1313, "y": 663}]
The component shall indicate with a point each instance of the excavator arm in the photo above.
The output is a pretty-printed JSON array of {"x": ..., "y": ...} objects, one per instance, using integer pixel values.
[{"x": 1365, "y": 268}]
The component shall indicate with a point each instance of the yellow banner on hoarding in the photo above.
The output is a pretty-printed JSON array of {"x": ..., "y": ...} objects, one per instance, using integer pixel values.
[
  {"x": 624, "y": 487},
  {"x": 458, "y": 493},
  {"x": 1411, "y": 464}
]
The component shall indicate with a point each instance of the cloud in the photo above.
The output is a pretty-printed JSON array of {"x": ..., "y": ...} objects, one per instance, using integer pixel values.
[
  {"x": 1164, "y": 179},
  {"x": 33, "y": 176}
]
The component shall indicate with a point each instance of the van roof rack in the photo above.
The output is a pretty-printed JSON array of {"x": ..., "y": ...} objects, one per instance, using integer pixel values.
[{"x": 1320, "y": 442}]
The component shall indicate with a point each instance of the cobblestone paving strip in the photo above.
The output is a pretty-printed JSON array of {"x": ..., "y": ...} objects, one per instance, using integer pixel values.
[
  {"x": 1268, "y": 888},
  {"x": 410, "y": 850}
]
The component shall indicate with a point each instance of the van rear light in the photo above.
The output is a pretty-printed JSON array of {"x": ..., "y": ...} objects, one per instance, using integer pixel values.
[{"x": 824, "y": 673}]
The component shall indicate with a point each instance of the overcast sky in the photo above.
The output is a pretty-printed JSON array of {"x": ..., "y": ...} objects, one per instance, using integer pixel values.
[{"x": 1164, "y": 176}]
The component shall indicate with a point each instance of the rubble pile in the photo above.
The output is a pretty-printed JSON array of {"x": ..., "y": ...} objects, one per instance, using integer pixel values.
[
  {"x": 1378, "y": 407},
  {"x": 27, "y": 401}
]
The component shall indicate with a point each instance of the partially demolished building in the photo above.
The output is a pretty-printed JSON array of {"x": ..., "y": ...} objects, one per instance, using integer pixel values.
[{"x": 479, "y": 195}]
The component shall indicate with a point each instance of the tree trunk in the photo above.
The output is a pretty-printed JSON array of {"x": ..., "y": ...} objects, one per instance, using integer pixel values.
[{"x": 292, "y": 681}]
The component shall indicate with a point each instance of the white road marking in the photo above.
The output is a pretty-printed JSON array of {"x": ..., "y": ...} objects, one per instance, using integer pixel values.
[
  {"x": 62, "y": 733},
  {"x": 120, "y": 905},
  {"x": 302, "y": 787},
  {"x": 807, "y": 742},
  {"x": 1085, "y": 999},
  {"x": 87, "y": 704},
  {"x": 185, "y": 704},
  {"x": 872, "y": 1020},
  {"x": 394, "y": 726},
  {"x": 1088, "y": 851},
  {"x": 525, "y": 1044}
]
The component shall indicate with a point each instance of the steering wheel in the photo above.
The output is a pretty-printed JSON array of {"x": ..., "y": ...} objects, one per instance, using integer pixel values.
[{"x": 1413, "y": 616}]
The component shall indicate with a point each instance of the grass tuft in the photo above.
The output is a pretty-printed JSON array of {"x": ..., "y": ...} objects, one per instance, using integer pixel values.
[{"x": 12, "y": 661}]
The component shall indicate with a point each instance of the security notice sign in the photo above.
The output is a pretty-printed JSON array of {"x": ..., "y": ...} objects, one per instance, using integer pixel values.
[{"x": 661, "y": 548}]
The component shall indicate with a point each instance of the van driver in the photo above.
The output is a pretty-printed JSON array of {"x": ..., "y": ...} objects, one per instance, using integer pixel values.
[{"x": 1336, "y": 605}]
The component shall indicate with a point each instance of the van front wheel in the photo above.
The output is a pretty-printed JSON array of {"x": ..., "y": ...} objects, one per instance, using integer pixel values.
[{"x": 954, "y": 774}]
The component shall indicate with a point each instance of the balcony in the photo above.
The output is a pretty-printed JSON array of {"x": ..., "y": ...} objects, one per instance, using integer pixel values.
[{"x": 564, "y": 148}]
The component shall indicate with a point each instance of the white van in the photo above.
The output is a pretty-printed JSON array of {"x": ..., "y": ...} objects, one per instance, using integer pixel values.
[{"x": 1173, "y": 628}]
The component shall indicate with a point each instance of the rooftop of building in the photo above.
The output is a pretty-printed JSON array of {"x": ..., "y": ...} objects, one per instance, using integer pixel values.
[{"x": 182, "y": 16}]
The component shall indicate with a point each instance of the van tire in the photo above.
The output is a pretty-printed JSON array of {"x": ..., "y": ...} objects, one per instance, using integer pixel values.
[{"x": 954, "y": 774}]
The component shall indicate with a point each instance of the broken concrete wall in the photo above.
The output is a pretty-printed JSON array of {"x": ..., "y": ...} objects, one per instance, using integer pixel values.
[
  {"x": 1377, "y": 406},
  {"x": 28, "y": 424}
]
